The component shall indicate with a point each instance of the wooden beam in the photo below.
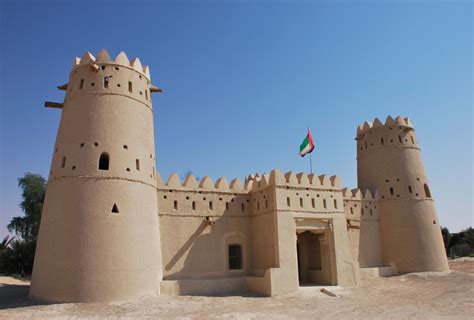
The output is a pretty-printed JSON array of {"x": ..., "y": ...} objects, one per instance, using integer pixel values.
[{"x": 56, "y": 105}]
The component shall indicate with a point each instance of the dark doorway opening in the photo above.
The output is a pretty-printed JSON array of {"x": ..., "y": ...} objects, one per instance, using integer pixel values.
[{"x": 315, "y": 252}]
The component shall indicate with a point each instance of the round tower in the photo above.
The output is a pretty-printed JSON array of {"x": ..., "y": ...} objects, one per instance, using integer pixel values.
[
  {"x": 99, "y": 236},
  {"x": 389, "y": 160}
]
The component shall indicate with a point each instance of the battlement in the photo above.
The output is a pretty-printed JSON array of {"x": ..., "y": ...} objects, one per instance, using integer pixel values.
[
  {"x": 357, "y": 194},
  {"x": 205, "y": 184},
  {"x": 389, "y": 123},
  {"x": 103, "y": 57},
  {"x": 294, "y": 180},
  {"x": 360, "y": 205}
]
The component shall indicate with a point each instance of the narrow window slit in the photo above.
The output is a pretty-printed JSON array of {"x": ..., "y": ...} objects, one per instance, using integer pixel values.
[
  {"x": 137, "y": 164},
  {"x": 81, "y": 84},
  {"x": 106, "y": 82},
  {"x": 130, "y": 87},
  {"x": 427, "y": 191}
]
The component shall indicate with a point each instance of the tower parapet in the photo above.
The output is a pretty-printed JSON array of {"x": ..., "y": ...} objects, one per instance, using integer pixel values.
[{"x": 389, "y": 161}]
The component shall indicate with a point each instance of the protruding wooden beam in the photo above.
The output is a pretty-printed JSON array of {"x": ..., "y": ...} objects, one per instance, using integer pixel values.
[
  {"x": 56, "y": 105},
  {"x": 63, "y": 87},
  {"x": 155, "y": 89}
]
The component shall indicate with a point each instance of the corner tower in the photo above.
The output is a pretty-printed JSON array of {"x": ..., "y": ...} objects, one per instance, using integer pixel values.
[
  {"x": 389, "y": 160},
  {"x": 99, "y": 235}
]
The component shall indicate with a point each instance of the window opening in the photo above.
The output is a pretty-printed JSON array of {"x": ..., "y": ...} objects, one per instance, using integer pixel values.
[
  {"x": 115, "y": 208},
  {"x": 137, "y": 164},
  {"x": 63, "y": 163},
  {"x": 130, "y": 87},
  {"x": 427, "y": 191},
  {"x": 104, "y": 161},
  {"x": 81, "y": 84},
  {"x": 106, "y": 82},
  {"x": 235, "y": 256}
]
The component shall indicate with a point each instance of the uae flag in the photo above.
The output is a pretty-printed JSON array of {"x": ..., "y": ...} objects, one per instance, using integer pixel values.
[{"x": 307, "y": 146}]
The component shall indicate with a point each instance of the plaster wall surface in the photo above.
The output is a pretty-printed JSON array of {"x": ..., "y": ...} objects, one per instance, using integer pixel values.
[{"x": 363, "y": 227}]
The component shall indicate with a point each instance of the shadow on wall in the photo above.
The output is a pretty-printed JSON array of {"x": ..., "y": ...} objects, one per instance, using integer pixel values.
[{"x": 206, "y": 252}]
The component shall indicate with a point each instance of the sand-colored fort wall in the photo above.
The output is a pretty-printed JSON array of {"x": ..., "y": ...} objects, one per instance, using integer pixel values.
[
  {"x": 197, "y": 222},
  {"x": 363, "y": 227},
  {"x": 99, "y": 235},
  {"x": 389, "y": 160}
]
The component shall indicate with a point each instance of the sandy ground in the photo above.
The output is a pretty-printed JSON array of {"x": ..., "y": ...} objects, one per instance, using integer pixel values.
[{"x": 432, "y": 295}]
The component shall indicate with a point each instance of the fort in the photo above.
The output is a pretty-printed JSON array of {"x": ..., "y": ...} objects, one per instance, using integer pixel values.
[{"x": 112, "y": 229}]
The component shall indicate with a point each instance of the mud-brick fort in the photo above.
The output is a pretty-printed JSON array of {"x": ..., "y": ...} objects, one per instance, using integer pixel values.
[{"x": 112, "y": 229}]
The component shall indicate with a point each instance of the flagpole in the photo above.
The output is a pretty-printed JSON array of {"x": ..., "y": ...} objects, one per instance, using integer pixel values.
[{"x": 310, "y": 160}]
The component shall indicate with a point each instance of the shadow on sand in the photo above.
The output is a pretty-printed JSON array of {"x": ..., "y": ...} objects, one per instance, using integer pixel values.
[{"x": 15, "y": 296}]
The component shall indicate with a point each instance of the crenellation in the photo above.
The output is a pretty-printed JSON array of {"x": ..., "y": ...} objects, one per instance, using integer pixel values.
[
  {"x": 291, "y": 178},
  {"x": 235, "y": 184}
]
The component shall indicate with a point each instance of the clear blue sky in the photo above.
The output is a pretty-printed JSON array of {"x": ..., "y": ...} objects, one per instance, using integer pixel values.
[{"x": 243, "y": 80}]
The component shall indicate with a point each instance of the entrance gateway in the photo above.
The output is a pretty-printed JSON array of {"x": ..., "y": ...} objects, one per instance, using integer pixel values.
[{"x": 315, "y": 251}]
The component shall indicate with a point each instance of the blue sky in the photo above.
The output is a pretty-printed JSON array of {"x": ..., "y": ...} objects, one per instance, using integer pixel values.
[{"x": 242, "y": 81}]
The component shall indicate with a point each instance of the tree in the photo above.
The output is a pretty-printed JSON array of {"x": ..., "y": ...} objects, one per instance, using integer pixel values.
[
  {"x": 16, "y": 257},
  {"x": 34, "y": 189},
  {"x": 446, "y": 238}
]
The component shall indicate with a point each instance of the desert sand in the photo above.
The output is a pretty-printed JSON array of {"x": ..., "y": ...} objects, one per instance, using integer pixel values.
[{"x": 430, "y": 295}]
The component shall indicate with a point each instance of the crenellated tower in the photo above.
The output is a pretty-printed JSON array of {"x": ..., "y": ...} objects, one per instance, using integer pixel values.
[
  {"x": 389, "y": 161},
  {"x": 99, "y": 235}
]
